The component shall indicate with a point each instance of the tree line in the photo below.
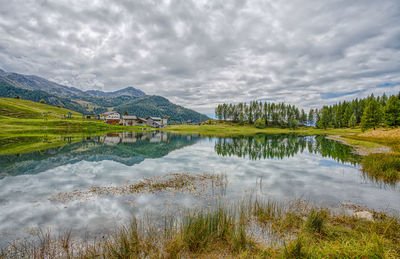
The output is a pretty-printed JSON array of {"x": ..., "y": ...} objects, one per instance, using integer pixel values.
[{"x": 369, "y": 112}]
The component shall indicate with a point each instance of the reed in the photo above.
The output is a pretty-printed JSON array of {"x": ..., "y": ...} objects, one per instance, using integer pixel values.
[{"x": 303, "y": 231}]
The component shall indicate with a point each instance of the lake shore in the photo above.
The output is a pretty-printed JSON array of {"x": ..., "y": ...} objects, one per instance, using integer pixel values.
[{"x": 255, "y": 228}]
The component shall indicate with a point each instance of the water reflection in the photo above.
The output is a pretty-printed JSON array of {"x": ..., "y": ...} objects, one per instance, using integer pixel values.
[
  {"x": 280, "y": 146},
  {"x": 128, "y": 148},
  {"x": 283, "y": 166}
]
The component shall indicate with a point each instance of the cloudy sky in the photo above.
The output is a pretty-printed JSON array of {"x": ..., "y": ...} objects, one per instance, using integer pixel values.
[{"x": 200, "y": 53}]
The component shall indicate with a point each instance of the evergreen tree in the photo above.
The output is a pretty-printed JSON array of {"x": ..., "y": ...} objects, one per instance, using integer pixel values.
[
  {"x": 311, "y": 117},
  {"x": 392, "y": 112},
  {"x": 372, "y": 115},
  {"x": 324, "y": 120},
  {"x": 353, "y": 121}
]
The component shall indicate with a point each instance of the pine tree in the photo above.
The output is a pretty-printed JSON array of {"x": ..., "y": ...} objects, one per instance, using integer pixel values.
[
  {"x": 324, "y": 119},
  {"x": 392, "y": 112},
  {"x": 353, "y": 121},
  {"x": 311, "y": 117},
  {"x": 372, "y": 115}
]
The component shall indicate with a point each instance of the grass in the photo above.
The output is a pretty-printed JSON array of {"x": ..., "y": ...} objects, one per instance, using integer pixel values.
[
  {"x": 232, "y": 129},
  {"x": 27, "y": 126},
  {"x": 225, "y": 232},
  {"x": 382, "y": 166}
]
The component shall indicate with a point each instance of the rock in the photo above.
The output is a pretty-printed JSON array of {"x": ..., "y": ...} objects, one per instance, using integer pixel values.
[{"x": 364, "y": 215}]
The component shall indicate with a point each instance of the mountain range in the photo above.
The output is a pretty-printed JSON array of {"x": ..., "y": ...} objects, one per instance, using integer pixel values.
[{"x": 129, "y": 99}]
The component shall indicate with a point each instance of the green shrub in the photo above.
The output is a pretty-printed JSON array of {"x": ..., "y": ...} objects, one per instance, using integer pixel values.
[{"x": 259, "y": 123}]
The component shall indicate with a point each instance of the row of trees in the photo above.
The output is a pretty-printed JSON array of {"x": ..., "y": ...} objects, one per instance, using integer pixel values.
[
  {"x": 367, "y": 113},
  {"x": 262, "y": 114}
]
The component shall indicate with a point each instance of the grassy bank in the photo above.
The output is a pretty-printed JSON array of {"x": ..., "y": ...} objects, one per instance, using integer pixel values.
[
  {"x": 380, "y": 165},
  {"x": 254, "y": 229},
  {"x": 231, "y": 129}
]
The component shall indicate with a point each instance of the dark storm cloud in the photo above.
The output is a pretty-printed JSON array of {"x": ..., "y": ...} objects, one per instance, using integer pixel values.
[{"x": 200, "y": 53}]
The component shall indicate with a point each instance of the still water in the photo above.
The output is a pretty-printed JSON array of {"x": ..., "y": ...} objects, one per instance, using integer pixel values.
[{"x": 279, "y": 167}]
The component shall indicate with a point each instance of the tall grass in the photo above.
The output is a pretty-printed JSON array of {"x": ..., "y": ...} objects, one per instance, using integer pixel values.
[
  {"x": 304, "y": 231},
  {"x": 382, "y": 166}
]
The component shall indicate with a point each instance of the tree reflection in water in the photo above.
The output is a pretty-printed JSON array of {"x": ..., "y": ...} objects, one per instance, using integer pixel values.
[{"x": 263, "y": 146}]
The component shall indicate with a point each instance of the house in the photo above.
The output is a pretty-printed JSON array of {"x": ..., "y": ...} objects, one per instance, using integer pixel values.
[
  {"x": 156, "y": 122},
  {"x": 129, "y": 120},
  {"x": 111, "y": 117},
  {"x": 132, "y": 120},
  {"x": 103, "y": 116}
]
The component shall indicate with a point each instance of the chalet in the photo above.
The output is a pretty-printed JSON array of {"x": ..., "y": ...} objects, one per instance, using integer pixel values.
[
  {"x": 156, "y": 122},
  {"x": 128, "y": 120},
  {"x": 132, "y": 120},
  {"x": 111, "y": 117},
  {"x": 103, "y": 116}
]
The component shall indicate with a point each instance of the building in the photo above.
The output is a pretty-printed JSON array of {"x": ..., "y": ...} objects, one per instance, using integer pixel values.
[
  {"x": 132, "y": 120},
  {"x": 111, "y": 117},
  {"x": 129, "y": 120},
  {"x": 157, "y": 122},
  {"x": 103, "y": 116}
]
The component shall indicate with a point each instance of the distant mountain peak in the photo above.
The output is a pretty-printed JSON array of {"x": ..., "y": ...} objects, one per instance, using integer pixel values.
[{"x": 129, "y": 91}]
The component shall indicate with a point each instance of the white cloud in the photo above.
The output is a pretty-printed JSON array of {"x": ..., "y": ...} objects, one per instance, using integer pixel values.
[{"x": 200, "y": 53}]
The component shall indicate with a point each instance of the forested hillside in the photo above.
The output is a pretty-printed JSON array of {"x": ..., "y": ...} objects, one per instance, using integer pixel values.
[
  {"x": 367, "y": 113},
  {"x": 159, "y": 106},
  {"x": 129, "y": 99}
]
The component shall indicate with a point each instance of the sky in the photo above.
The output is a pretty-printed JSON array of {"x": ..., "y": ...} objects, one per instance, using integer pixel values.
[{"x": 201, "y": 53}]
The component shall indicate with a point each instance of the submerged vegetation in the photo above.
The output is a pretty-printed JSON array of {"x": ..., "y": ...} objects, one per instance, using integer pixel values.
[
  {"x": 195, "y": 184},
  {"x": 256, "y": 229}
]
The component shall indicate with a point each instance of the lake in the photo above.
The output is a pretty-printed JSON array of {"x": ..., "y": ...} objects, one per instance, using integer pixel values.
[{"x": 80, "y": 186}]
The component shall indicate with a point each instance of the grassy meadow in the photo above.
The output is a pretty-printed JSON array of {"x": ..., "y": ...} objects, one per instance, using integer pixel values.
[{"x": 29, "y": 126}]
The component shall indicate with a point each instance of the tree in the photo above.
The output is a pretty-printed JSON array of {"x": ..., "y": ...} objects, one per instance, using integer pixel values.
[
  {"x": 353, "y": 121},
  {"x": 293, "y": 123},
  {"x": 16, "y": 97},
  {"x": 324, "y": 120},
  {"x": 42, "y": 101},
  {"x": 311, "y": 117},
  {"x": 303, "y": 117},
  {"x": 392, "y": 112},
  {"x": 372, "y": 115},
  {"x": 346, "y": 117},
  {"x": 125, "y": 113},
  {"x": 259, "y": 123}
]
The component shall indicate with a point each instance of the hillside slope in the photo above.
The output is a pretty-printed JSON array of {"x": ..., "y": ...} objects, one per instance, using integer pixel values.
[
  {"x": 20, "y": 109},
  {"x": 9, "y": 91},
  {"x": 152, "y": 105},
  {"x": 129, "y": 99}
]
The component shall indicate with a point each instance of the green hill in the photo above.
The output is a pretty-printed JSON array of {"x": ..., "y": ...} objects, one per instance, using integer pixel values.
[
  {"x": 152, "y": 105},
  {"x": 24, "y": 109},
  {"x": 132, "y": 100}
]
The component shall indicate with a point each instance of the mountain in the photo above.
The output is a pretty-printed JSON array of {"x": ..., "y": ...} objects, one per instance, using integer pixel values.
[
  {"x": 128, "y": 91},
  {"x": 153, "y": 105},
  {"x": 7, "y": 90},
  {"x": 129, "y": 99},
  {"x": 31, "y": 82}
]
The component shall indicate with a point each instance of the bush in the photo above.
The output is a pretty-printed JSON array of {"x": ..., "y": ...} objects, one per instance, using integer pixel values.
[
  {"x": 42, "y": 101},
  {"x": 259, "y": 123}
]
